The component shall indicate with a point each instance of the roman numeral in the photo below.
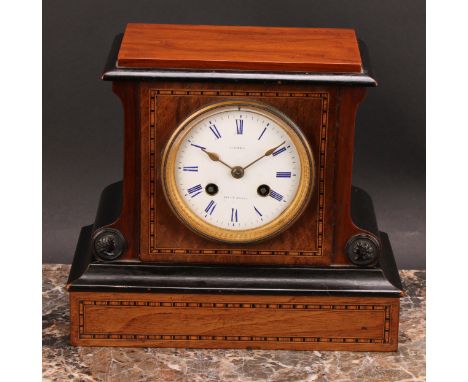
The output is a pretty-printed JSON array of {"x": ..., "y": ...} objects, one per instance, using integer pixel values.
[
  {"x": 276, "y": 196},
  {"x": 234, "y": 215},
  {"x": 215, "y": 131},
  {"x": 210, "y": 207},
  {"x": 279, "y": 151},
  {"x": 190, "y": 168},
  {"x": 261, "y": 135},
  {"x": 283, "y": 174},
  {"x": 240, "y": 126},
  {"x": 195, "y": 190},
  {"x": 257, "y": 211}
]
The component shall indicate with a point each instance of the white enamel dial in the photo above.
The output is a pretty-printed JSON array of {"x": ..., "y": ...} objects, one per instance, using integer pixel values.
[{"x": 238, "y": 168}]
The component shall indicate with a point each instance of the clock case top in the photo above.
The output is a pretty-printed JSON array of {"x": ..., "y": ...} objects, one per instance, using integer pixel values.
[{"x": 238, "y": 48}]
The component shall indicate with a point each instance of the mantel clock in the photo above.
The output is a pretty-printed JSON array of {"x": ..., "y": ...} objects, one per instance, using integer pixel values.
[{"x": 236, "y": 224}]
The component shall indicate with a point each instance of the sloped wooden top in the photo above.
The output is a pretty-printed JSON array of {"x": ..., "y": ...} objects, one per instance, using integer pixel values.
[{"x": 316, "y": 50}]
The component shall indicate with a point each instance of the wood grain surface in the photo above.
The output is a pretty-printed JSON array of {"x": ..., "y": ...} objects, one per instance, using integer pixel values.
[
  {"x": 243, "y": 48},
  {"x": 234, "y": 321}
]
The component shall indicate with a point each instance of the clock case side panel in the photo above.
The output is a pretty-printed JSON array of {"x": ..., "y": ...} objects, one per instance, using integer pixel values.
[
  {"x": 349, "y": 223},
  {"x": 126, "y": 220}
]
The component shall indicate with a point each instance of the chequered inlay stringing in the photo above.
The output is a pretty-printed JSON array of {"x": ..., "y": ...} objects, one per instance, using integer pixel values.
[
  {"x": 154, "y": 93},
  {"x": 232, "y": 305}
]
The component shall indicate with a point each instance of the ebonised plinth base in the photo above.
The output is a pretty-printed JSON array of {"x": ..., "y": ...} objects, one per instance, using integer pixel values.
[{"x": 257, "y": 307}]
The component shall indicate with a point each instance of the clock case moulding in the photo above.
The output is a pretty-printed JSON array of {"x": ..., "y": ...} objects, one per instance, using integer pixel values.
[{"x": 135, "y": 303}]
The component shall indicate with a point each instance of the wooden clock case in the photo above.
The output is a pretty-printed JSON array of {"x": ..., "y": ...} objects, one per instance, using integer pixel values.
[{"x": 303, "y": 289}]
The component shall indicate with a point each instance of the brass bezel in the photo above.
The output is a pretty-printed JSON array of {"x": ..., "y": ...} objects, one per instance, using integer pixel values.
[{"x": 269, "y": 230}]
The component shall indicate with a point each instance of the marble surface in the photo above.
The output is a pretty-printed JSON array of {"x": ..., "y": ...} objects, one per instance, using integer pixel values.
[{"x": 62, "y": 362}]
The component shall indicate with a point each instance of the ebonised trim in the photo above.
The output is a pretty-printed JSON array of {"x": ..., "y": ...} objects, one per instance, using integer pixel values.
[
  {"x": 387, "y": 262},
  {"x": 252, "y": 280},
  {"x": 110, "y": 205},
  {"x": 83, "y": 255},
  {"x": 362, "y": 210}
]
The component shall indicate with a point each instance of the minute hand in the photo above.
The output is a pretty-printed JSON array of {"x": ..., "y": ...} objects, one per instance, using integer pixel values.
[{"x": 267, "y": 153}]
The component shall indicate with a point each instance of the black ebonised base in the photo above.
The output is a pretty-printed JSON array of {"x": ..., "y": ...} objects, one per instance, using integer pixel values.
[{"x": 88, "y": 274}]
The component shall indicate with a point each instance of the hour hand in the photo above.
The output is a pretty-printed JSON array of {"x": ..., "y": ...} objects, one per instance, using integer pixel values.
[{"x": 215, "y": 158}]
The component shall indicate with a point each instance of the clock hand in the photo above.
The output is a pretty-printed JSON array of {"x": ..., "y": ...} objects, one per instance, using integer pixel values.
[
  {"x": 267, "y": 153},
  {"x": 215, "y": 158}
]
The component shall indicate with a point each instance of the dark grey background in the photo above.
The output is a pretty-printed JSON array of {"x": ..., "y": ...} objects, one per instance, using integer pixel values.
[{"x": 82, "y": 133}]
